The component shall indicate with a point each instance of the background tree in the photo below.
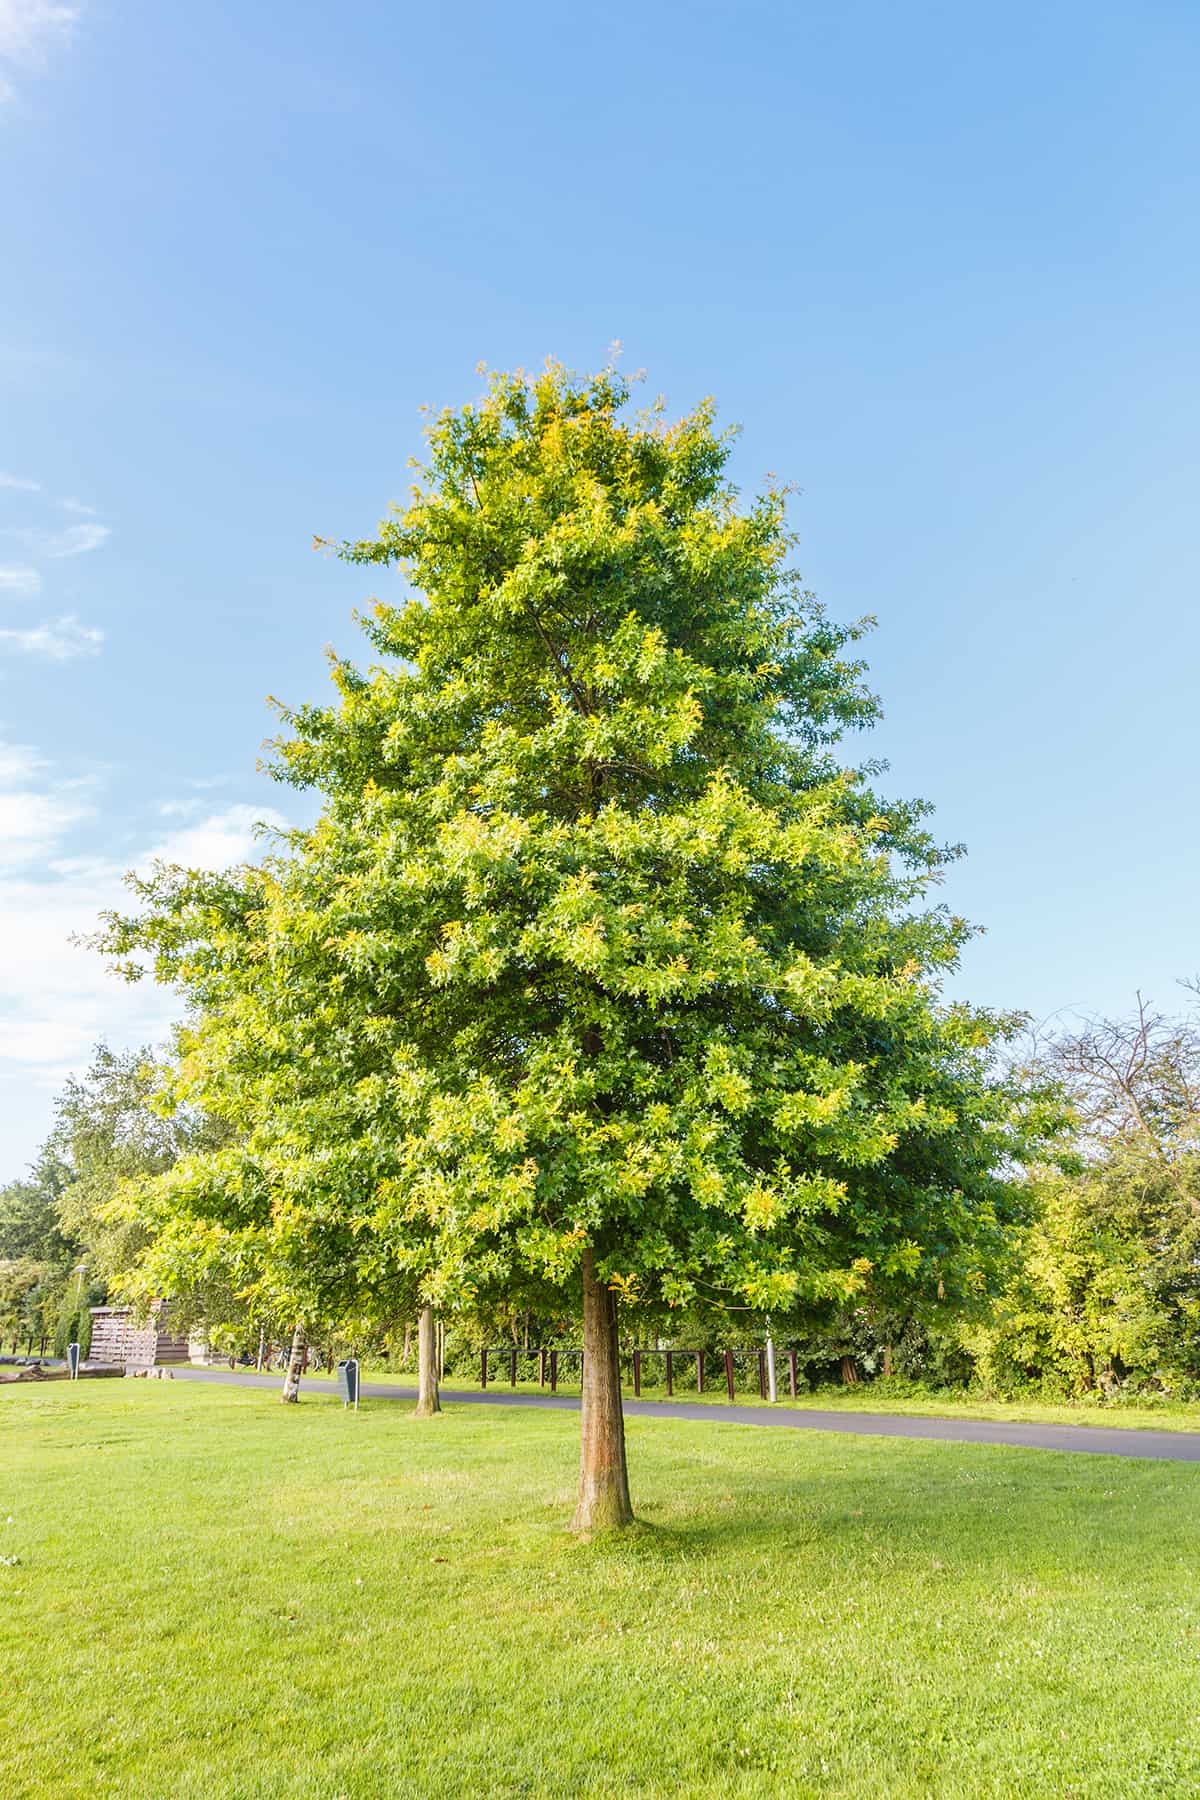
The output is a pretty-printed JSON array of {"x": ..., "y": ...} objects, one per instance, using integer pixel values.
[
  {"x": 259, "y": 1217},
  {"x": 40, "y": 1293},
  {"x": 1106, "y": 1285}
]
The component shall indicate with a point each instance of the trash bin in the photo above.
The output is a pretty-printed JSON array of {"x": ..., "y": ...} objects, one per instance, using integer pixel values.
[
  {"x": 347, "y": 1375},
  {"x": 73, "y": 1360}
]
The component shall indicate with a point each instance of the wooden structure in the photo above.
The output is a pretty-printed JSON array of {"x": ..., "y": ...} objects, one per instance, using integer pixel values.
[{"x": 117, "y": 1337}]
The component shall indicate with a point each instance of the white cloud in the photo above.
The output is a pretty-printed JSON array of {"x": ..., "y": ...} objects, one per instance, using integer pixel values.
[
  {"x": 61, "y": 640},
  {"x": 73, "y": 540},
  {"x": 77, "y": 540},
  {"x": 32, "y": 823},
  {"x": 218, "y": 842},
  {"x": 35, "y": 811},
  {"x": 30, "y": 31},
  {"x": 19, "y": 763},
  {"x": 57, "y": 999},
  {"x": 20, "y": 482},
  {"x": 19, "y": 580}
]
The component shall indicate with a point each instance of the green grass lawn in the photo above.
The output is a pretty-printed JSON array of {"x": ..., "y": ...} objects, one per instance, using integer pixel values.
[{"x": 204, "y": 1593}]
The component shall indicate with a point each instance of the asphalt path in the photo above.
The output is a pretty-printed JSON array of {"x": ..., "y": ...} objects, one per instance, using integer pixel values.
[{"x": 1093, "y": 1440}]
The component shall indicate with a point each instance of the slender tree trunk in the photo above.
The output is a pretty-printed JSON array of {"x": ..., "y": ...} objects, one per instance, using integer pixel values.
[
  {"x": 849, "y": 1371},
  {"x": 295, "y": 1368},
  {"x": 603, "y": 1479},
  {"x": 427, "y": 1381},
  {"x": 262, "y": 1348},
  {"x": 887, "y": 1361}
]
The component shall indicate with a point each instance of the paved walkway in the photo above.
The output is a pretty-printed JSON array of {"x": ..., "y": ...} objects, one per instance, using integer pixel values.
[{"x": 1096, "y": 1440}]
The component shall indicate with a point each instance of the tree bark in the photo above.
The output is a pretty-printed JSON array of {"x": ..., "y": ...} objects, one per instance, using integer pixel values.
[
  {"x": 603, "y": 1478},
  {"x": 428, "y": 1402},
  {"x": 295, "y": 1368}
]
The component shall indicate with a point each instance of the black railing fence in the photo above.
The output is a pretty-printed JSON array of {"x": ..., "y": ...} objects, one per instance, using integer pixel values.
[{"x": 691, "y": 1368}]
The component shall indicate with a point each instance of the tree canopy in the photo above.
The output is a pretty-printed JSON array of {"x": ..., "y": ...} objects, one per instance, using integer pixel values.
[{"x": 599, "y": 957}]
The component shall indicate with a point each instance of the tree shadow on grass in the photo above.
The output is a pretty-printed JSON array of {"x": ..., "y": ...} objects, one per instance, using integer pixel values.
[{"x": 975, "y": 1508}]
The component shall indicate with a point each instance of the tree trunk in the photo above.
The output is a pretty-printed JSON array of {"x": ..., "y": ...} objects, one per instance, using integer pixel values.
[
  {"x": 887, "y": 1362},
  {"x": 295, "y": 1368},
  {"x": 262, "y": 1349},
  {"x": 603, "y": 1479},
  {"x": 427, "y": 1381},
  {"x": 849, "y": 1371}
]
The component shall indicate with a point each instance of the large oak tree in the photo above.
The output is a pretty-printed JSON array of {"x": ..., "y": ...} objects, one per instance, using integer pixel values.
[{"x": 601, "y": 973}]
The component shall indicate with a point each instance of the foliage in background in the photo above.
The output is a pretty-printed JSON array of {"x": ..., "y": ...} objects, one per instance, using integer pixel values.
[{"x": 64, "y": 1246}]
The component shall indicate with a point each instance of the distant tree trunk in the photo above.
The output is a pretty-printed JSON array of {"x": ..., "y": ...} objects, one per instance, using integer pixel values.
[
  {"x": 295, "y": 1368},
  {"x": 603, "y": 1478},
  {"x": 887, "y": 1360},
  {"x": 428, "y": 1402},
  {"x": 849, "y": 1371},
  {"x": 262, "y": 1348}
]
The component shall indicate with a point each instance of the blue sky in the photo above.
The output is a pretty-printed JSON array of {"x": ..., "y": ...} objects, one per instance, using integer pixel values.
[{"x": 939, "y": 262}]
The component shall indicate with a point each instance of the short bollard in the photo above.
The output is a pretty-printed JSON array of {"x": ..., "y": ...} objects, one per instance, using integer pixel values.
[
  {"x": 73, "y": 1360},
  {"x": 347, "y": 1377}
]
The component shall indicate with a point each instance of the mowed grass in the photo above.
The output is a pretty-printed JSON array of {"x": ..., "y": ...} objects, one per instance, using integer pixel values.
[{"x": 203, "y": 1593}]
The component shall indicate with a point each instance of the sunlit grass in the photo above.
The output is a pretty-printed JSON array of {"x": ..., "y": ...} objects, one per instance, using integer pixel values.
[{"x": 204, "y": 1593}]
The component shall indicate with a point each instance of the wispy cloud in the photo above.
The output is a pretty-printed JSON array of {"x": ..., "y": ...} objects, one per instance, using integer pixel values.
[
  {"x": 57, "y": 999},
  {"x": 218, "y": 842},
  {"x": 30, "y": 32},
  {"x": 19, "y": 580},
  {"x": 35, "y": 811},
  {"x": 73, "y": 540},
  {"x": 77, "y": 540},
  {"x": 56, "y": 640},
  {"x": 61, "y": 640}
]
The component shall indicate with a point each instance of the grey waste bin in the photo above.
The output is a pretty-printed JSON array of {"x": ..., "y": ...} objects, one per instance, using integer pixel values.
[
  {"x": 347, "y": 1374},
  {"x": 73, "y": 1360}
]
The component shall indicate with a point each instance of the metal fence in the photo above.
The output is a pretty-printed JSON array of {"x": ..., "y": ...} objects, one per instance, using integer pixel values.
[{"x": 694, "y": 1366}]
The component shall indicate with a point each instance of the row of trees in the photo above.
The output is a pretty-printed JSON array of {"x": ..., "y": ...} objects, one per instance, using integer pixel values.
[
  {"x": 63, "y": 1244},
  {"x": 1097, "y": 1293},
  {"x": 602, "y": 981}
]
